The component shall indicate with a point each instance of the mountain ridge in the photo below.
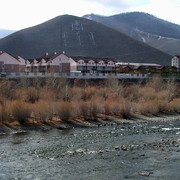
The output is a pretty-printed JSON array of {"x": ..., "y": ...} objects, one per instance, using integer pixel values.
[
  {"x": 128, "y": 23},
  {"x": 80, "y": 37}
]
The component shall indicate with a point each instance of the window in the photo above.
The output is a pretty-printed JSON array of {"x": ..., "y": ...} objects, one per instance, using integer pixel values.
[
  {"x": 60, "y": 68},
  {"x": 3, "y": 64},
  {"x": 12, "y": 67}
]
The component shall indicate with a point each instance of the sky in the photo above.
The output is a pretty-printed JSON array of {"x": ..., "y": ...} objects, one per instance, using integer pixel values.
[{"x": 20, "y": 14}]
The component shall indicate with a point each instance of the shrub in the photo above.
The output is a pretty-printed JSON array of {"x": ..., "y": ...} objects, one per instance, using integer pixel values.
[
  {"x": 131, "y": 93},
  {"x": 32, "y": 95},
  {"x": 21, "y": 111},
  {"x": 43, "y": 110},
  {"x": 175, "y": 105},
  {"x": 47, "y": 94},
  {"x": 1, "y": 119},
  {"x": 125, "y": 109},
  {"x": 75, "y": 109},
  {"x": 147, "y": 93},
  {"x": 64, "y": 110},
  {"x": 147, "y": 107},
  {"x": 163, "y": 105},
  {"x": 95, "y": 108},
  {"x": 84, "y": 110},
  {"x": 4, "y": 111},
  {"x": 156, "y": 83},
  {"x": 88, "y": 93}
]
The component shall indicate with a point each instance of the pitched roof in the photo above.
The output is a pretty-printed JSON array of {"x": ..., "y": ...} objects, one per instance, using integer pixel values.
[
  {"x": 138, "y": 64},
  {"x": 87, "y": 59},
  {"x": 15, "y": 57},
  {"x": 178, "y": 56},
  {"x": 46, "y": 57}
]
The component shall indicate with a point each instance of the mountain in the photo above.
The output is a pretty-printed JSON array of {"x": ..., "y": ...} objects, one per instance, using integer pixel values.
[
  {"x": 80, "y": 37},
  {"x": 147, "y": 28},
  {"x": 5, "y": 32}
]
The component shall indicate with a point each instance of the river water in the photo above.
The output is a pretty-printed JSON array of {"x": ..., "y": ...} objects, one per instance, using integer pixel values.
[{"x": 117, "y": 152}]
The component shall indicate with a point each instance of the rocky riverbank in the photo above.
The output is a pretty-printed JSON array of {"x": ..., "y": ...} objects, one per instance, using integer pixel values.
[
  {"x": 139, "y": 148},
  {"x": 16, "y": 127}
]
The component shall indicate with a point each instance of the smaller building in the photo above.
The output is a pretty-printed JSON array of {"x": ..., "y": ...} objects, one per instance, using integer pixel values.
[
  {"x": 175, "y": 61},
  {"x": 92, "y": 65},
  {"x": 11, "y": 64},
  {"x": 53, "y": 63}
]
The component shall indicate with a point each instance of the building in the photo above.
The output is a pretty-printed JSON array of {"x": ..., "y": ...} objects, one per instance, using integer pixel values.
[
  {"x": 92, "y": 65},
  {"x": 124, "y": 67},
  {"x": 175, "y": 61},
  {"x": 11, "y": 64},
  {"x": 53, "y": 63},
  {"x": 22, "y": 64}
]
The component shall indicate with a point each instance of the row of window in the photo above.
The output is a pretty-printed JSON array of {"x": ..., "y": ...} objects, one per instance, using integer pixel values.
[
  {"x": 3, "y": 66},
  {"x": 102, "y": 63}
]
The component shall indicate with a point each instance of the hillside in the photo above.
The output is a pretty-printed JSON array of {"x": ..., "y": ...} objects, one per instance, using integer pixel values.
[
  {"x": 156, "y": 32},
  {"x": 80, "y": 37}
]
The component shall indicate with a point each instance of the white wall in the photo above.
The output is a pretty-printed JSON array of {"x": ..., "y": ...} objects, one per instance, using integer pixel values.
[{"x": 62, "y": 58}]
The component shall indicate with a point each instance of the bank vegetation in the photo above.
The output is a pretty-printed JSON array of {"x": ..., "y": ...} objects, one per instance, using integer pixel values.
[{"x": 53, "y": 99}]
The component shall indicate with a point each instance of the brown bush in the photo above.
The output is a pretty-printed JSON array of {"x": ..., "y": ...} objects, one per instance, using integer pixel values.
[
  {"x": 32, "y": 95},
  {"x": 88, "y": 93},
  {"x": 175, "y": 105},
  {"x": 131, "y": 93},
  {"x": 21, "y": 111},
  {"x": 163, "y": 106},
  {"x": 95, "y": 108},
  {"x": 5, "y": 114},
  {"x": 147, "y": 107},
  {"x": 44, "y": 110},
  {"x": 156, "y": 83},
  {"x": 47, "y": 94},
  {"x": 64, "y": 110},
  {"x": 125, "y": 109},
  {"x": 84, "y": 110},
  {"x": 147, "y": 93}
]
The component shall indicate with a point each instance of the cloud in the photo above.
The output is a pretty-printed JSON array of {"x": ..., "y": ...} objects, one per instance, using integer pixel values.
[
  {"x": 164, "y": 9},
  {"x": 120, "y": 4},
  {"x": 113, "y": 4},
  {"x": 18, "y": 14}
]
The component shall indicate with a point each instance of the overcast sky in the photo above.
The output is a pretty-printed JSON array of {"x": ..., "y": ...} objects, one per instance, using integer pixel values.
[{"x": 19, "y": 14}]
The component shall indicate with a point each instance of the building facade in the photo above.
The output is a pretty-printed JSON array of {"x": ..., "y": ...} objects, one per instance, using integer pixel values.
[
  {"x": 176, "y": 61},
  {"x": 53, "y": 63},
  {"x": 11, "y": 64},
  {"x": 92, "y": 65}
]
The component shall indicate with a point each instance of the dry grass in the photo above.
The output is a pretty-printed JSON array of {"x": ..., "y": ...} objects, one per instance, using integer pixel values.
[
  {"x": 57, "y": 99},
  {"x": 31, "y": 95},
  {"x": 175, "y": 105},
  {"x": 44, "y": 110},
  {"x": 21, "y": 111},
  {"x": 64, "y": 110}
]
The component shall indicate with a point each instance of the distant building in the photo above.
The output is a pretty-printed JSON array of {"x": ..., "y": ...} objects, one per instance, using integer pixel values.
[
  {"x": 176, "y": 61},
  {"x": 53, "y": 63},
  {"x": 91, "y": 64},
  {"x": 11, "y": 64}
]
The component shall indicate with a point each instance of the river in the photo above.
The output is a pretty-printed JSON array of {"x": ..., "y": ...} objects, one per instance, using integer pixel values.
[{"x": 135, "y": 151}]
